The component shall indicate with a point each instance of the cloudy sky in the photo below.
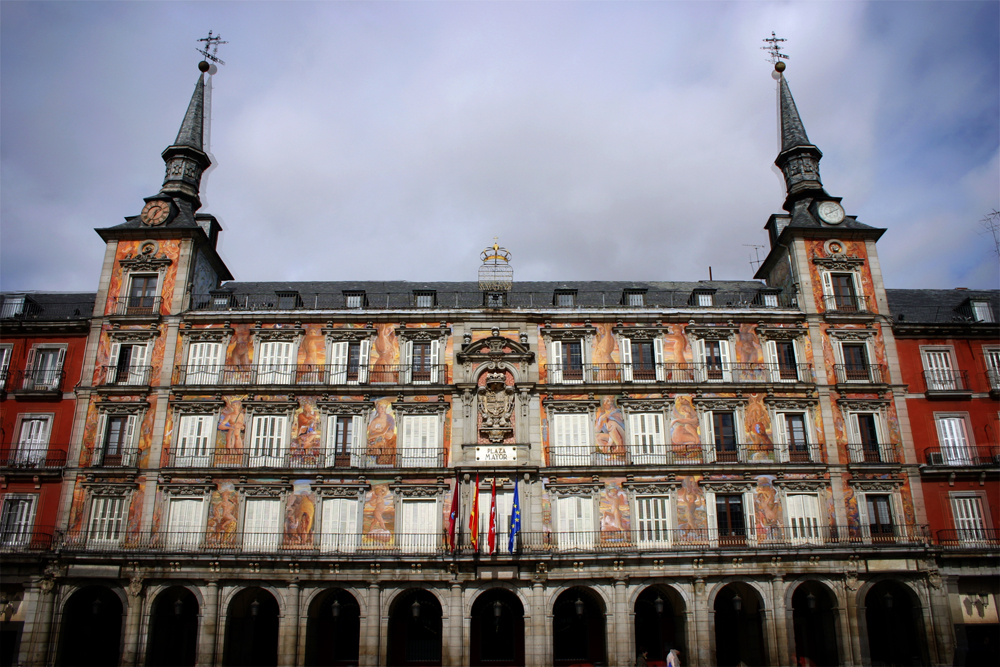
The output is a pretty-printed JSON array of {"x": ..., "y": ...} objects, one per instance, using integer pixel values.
[{"x": 624, "y": 141}]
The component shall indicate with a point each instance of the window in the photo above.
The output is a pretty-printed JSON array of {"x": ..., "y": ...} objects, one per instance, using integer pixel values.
[
  {"x": 791, "y": 427},
  {"x": 261, "y": 524},
  {"x": 866, "y": 428},
  {"x": 12, "y": 306},
  {"x": 420, "y": 440},
  {"x": 5, "y": 354},
  {"x": 652, "y": 520},
  {"x": 43, "y": 368},
  {"x": 420, "y": 530},
  {"x": 288, "y": 300},
  {"x": 722, "y": 435},
  {"x": 731, "y": 519},
  {"x": 268, "y": 441},
  {"x": 424, "y": 298},
  {"x": 576, "y": 522},
  {"x": 991, "y": 355},
  {"x": 938, "y": 371},
  {"x": 17, "y": 519},
  {"x": 494, "y": 299},
  {"x": 565, "y": 298},
  {"x": 340, "y": 525},
  {"x": 505, "y": 499},
  {"x": 714, "y": 356},
  {"x": 33, "y": 441},
  {"x": 855, "y": 362},
  {"x": 981, "y": 311},
  {"x": 118, "y": 443},
  {"x": 705, "y": 299},
  {"x": 345, "y": 441},
  {"x": 567, "y": 362},
  {"x": 842, "y": 289},
  {"x": 422, "y": 361},
  {"x": 355, "y": 299},
  {"x": 127, "y": 364},
  {"x": 648, "y": 440},
  {"x": 634, "y": 298},
  {"x": 802, "y": 510},
  {"x": 185, "y": 522},
  {"x": 194, "y": 442},
  {"x": 770, "y": 300},
  {"x": 223, "y": 301},
  {"x": 876, "y": 514},
  {"x": 204, "y": 363},
  {"x": 784, "y": 364},
  {"x": 349, "y": 362},
  {"x": 275, "y": 362},
  {"x": 967, "y": 510},
  {"x": 142, "y": 295},
  {"x": 642, "y": 360},
  {"x": 107, "y": 518},
  {"x": 570, "y": 439},
  {"x": 954, "y": 440}
]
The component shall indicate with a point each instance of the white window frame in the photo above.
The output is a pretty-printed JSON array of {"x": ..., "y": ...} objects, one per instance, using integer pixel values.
[
  {"x": 265, "y": 426},
  {"x": 895, "y": 507},
  {"x": 982, "y": 310},
  {"x": 356, "y": 449},
  {"x": 654, "y": 532},
  {"x": 576, "y": 516},
  {"x": 50, "y": 378},
  {"x": 838, "y": 350},
  {"x": 554, "y": 365},
  {"x": 647, "y": 435},
  {"x": 102, "y": 527},
  {"x": 258, "y": 538},
  {"x": 885, "y": 448},
  {"x": 264, "y": 364},
  {"x": 406, "y": 372},
  {"x": 563, "y": 426},
  {"x": 190, "y": 539},
  {"x": 939, "y": 366},
  {"x": 203, "y": 445},
  {"x": 957, "y": 453},
  {"x": 420, "y": 440},
  {"x": 779, "y": 432},
  {"x": 625, "y": 346},
  {"x": 18, "y": 530},
  {"x": 725, "y": 354},
  {"x": 423, "y": 538},
  {"x": 708, "y": 431},
  {"x": 338, "y": 353},
  {"x": 991, "y": 359},
  {"x": 771, "y": 347},
  {"x": 749, "y": 515},
  {"x": 6, "y": 353},
  {"x": 205, "y": 368},
  {"x": 339, "y": 521},
  {"x": 130, "y": 444},
  {"x": 135, "y": 372},
  {"x": 826, "y": 276},
  {"x": 804, "y": 521},
  {"x": 33, "y": 444},
  {"x": 970, "y": 528},
  {"x": 13, "y": 305}
]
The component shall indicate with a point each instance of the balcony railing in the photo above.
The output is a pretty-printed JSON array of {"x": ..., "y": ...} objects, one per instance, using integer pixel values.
[
  {"x": 590, "y": 299},
  {"x": 973, "y": 538},
  {"x": 36, "y": 379},
  {"x": 309, "y": 374},
  {"x": 860, "y": 374},
  {"x": 690, "y": 373},
  {"x": 967, "y": 456},
  {"x": 119, "y": 458},
  {"x": 127, "y": 376},
  {"x": 872, "y": 452},
  {"x": 681, "y": 455},
  {"x": 367, "y": 457},
  {"x": 991, "y": 378},
  {"x": 849, "y": 304},
  {"x": 26, "y": 539},
  {"x": 946, "y": 381},
  {"x": 33, "y": 457},
  {"x": 142, "y": 306}
]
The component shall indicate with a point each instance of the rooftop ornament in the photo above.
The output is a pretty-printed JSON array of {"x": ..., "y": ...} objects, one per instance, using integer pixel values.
[{"x": 496, "y": 274}]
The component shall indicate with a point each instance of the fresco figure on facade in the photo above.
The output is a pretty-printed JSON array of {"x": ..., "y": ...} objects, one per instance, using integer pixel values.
[
  {"x": 614, "y": 510},
  {"x": 232, "y": 423},
  {"x": 677, "y": 350},
  {"x": 758, "y": 425},
  {"x": 240, "y": 347},
  {"x": 222, "y": 519},
  {"x": 312, "y": 351},
  {"x": 306, "y": 433},
  {"x": 609, "y": 429},
  {"x": 770, "y": 517},
  {"x": 382, "y": 434},
  {"x": 385, "y": 350},
  {"x": 692, "y": 518},
  {"x": 605, "y": 346},
  {"x": 748, "y": 348},
  {"x": 684, "y": 429},
  {"x": 379, "y": 515},
  {"x": 299, "y": 516}
]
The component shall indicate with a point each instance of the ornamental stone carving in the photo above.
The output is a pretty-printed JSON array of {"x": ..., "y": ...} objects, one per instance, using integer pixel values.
[
  {"x": 496, "y": 406},
  {"x": 727, "y": 486},
  {"x": 780, "y": 403},
  {"x": 567, "y": 334},
  {"x": 135, "y": 585},
  {"x": 122, "y": 407},
  {"x": 720, "y": 332},
  {"x": 706, "y": 403},
  {"x": 652, "y": 488},
  {"x": 839, "y": 263},
  {"x": 340, "y": 490},
  {"x": 196, "y": 407},
  {"x": 420, "y": 408},
  {"x": 207, "y": 335},
  {"x": 571, "y": 406},
  {"x": 117, "y": 489},
  {"x": 780, "y": 333},
  {"x": 181, "y": 489},
  {"x": 271, "y": 407},
  {"x": 283, "y": 335},
  {"x": 263, "y": 490},
  {"x": 578, "y": 489},
  {"x": 145, "y": 263},
  {"x": 809, "y": 485},
  {"x": 349, "y": 335},
  {"x": 327, "y": 406},
  {"x": 852, "y": 334},
  {"x": 869, "y": 405},
  {"x": 422, "y": 335},
  {"x": 869, "y": 485},
  {"x": 645, "y": 404},
  {"x": 419, "y": 490}
]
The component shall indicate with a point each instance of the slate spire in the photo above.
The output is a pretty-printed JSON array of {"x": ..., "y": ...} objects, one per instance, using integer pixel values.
[
  {"x": 798, "y": 159},
  {"x": 186, "y": 159},
  {"x": 192, "y": 127}
]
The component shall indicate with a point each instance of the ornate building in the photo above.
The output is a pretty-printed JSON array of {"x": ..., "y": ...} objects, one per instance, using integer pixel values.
[{"x": 284, "y": 473}]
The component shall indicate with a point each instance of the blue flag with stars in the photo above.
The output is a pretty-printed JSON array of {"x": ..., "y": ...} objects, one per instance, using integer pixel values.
[{"x": 515, "y": 519}]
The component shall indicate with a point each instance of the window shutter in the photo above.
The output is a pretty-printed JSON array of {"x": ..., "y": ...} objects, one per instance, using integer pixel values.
[
  {"x": 865, "y": 528},
  {"x": 435, "y": 347},
  {"x": 338, "y": 362},
  {"x": 555, "y": 363},
  {"x": 727, "y": 367},
  {"x": 661, "y": 372},
  {"x": 407, "y": 371},
  {"x": 365, "y": 348},
  {"x": 111, "y": 371},
  {"x": 937, "y": 364},
  {"x": 712, "y": 515},
  {"x": 359, "y": 437},
  {"x": 184, "y": 522},
  {"x": 102, "y": 436},
  {"x": 827, "y": 285},
  {"x": 29, "y": 364},
  {"x": 626, "y": 348},
  {"x": 60, "y": 360},
  {"x": 340, "y": 524},
  {"x": 750, "y": 512},
  {"x": 954, "y": 444},
  {"x": 708, "y": 428},
  {"x": 780, "y": 431},
  {"x": 131, "y": 434},
  {"x": 968, "y": 512},
  {"x": 773, "y": 361}
]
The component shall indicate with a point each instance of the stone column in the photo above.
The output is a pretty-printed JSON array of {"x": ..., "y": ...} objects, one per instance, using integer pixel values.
[
  {"x": 856, "y": 623},
  {"x": 133, "y": 622},
  {"x": 624, "y": 654},
  {"x": 41, "y": 633},
  {"x": 371, "y": 644},
  {"x": 701, "y": 646},
  {"x": 209, "y": 626},
  {"x": 453, "y": 640},
  {"x": 303, "y": 628},
  {"x": 289, "y": 627},
  {"x": 779, "y": 624},
  {"x": 541, "y": 621}
]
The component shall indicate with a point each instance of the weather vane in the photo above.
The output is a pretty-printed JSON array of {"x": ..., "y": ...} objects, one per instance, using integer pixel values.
[
  {"x": 773, "y": 49},
  {"x": 213, "y": 44}
]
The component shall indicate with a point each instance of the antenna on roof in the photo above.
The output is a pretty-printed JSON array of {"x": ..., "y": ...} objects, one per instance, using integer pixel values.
[
  {"x": 213, "y": 44},
  {"x": 773, "y": 49},
  {"x": 755, "y": 263}
]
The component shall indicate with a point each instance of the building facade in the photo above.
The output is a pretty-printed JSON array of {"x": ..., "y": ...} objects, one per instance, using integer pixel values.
[{"x": 305, "y": 473}]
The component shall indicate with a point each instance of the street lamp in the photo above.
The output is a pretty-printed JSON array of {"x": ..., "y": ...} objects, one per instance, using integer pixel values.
[
  {"x": 811, "y": 602},
  {"x": 658, "y": 605},
  {"x": 254, "y": 608},
  {"x": 95, "y": 608},
  {"x": 579, "y": 606},
  {"x": 178, "y": 607},
  {"x": 415, "y": 608},
  {"x": 497, "y": 609},
  {"x": 737, "y": 603},
  {"x": 335, "y": 609},
  {"x": 887, "y": 600}
]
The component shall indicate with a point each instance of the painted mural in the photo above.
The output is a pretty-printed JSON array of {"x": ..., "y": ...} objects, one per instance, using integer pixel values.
[
  {"x": 692, "y": 516},
  {"x": 155, "y": 360},
  {"x": 385, "y": 347},
  {"x": 379, "y": 519},
  {"x": 760, "y": 446},
  {"x": 609, "y": 429},
  {"x": 306, "y": 442},
  {"x": 814, "y": 248},
  {"x": 768, "y": 511},
  {"x": 134, "y": 525},
  {"x": 75, "y": 526},
  {"x": 239, "y": 352},
  {"x": 748, "y": 348},
  {"x": 300, "y": 514},
  {"x": 381, "y": 447},
  {"x": 614, "y": 512},
  {"x": 222, "y": 515},
  {"x": 676, "y": 347},
  {"x": 312, "y": 347},
  {"x": 684, "y": 429},
  {"x": 167, "y": 248},
  {"x": 605, "y": 350},
  {"x": 231, "y": 429},
  {"x": 853, "y": 513}
]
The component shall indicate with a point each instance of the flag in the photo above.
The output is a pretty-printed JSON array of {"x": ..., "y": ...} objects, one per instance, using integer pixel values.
[
  {"x": 453, "y": 516},
  {"x": 515, "y": 519},
  {"x": 474, "y": 517},
  {"x": 491, "y": 537}
]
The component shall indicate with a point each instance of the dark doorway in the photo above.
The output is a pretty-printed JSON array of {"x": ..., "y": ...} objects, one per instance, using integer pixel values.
[
  {"x": 415, "y": 630},
  {"x": 659, "y": 623},
  {"x": 815, "y": 623},
  {"x": 252, "y": 630},
  {"x": 173, "y": 632},
  {"x": 333, "y": 631},
  {"x": 739, "y": 628},
  {"x": 578, "y": 628},
  {"x": 892, "y": 615},
  {"x": 91, "y": 628},
  {"x": 497, "y": 631}
]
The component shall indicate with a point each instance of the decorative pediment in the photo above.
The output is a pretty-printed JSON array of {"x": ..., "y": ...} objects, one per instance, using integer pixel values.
[
  {"x": 340, "y": 490},
  {"x": 839, "y": 263},
  {"x": 571, "y": 406},
  {"x": 852, "y": 334},
  {"x": 200, "y": 407},
  {"x": 652, "y": 488},
  {"x": 727, "y": 485},
  {"x": 102, "y": 488},
  {"x": 122, "y": 407},
  {"x": 575, "y": 488},
  {"x": 349, "y": 335},
  {"x": 182, "y": 489},
  {"x": 149, "y": 263},
  {"x": 870, "y": 485},
  {"x": 133, "y": 335},
  {"x": 420, "y": 490},
  {"x": 271, "y": 407},
  {"x": 720, "y": 332},
  {"x": 707, "y": 403},
  {"x": 251, "y": 490},
  {"x": 495, "y": 348},
  {"x": 215, "y": 335},
  {"x": 567, "y": 334},
  {"x": 865, "y": 405},
  {"x": 639, "y": 332},
  {"x": 645, "y": 404},
  {"x": 781, "y": 333},
  {"x": 807, "y": 485},
  {"x": 422, "y": 334},
  {"x": 781, "y": 403},
  {"x": 420, "y": 408},
  {"x": 328, "y": 407},
  {"x": 290, "y": 334}
]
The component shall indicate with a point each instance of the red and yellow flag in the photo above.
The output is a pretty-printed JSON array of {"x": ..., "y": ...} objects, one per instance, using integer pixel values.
[
  {"x": 474, "y": 516},
  {"x": 491, "y": 536}
]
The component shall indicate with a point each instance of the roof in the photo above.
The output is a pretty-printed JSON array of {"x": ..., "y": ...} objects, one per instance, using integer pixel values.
[
  {"x": 49, "y": 306},
  {"x": 939, "y": 306}
]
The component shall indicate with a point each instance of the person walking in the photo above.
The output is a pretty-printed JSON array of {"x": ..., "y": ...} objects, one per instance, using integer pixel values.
[
  {"x": 641, "y": 660},
  {"x": 674, "y": 658}
]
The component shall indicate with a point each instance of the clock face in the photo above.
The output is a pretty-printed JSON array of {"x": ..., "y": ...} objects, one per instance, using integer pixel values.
[
  {"x": 830, "y": 212},
  {"x": 155, "y": 212}
]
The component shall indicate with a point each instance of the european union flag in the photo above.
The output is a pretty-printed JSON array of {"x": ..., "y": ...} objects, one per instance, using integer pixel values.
[{"x": 515, "y": 519}]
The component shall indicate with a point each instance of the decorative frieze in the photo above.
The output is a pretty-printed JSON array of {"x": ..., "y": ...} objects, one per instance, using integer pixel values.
[
  {"x": 720, "y": 332},
  {"x": 340, "y": 490},
  {"x": 839, "y": 263},
  {"x": 356, "y": 408},
  {"x": 581, "y": 406},
  {"x": 122, "y": 407},
  {"x": 423, "y": 335},
  {"x": 852, "y": 334}
]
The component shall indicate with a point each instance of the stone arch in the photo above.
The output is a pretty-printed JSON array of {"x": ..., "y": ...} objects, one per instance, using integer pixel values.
[
  {"x": 722, "y": 583},
  {"x": 815, "y": 622},
  {"x": 310, "y": 594},
  {"x": 251, "y": 630},
  {"x": 738, "y": 620},
  {"x": 472, "y": 594},
  {"x": 154, "y": 590},
  {"x": 491, "y": 366},
  {"x": 577, "y": 612},
  {"x": 92, "y": 625},
  {"x": 593, "y": 586},
  {"x": 390, "y": 597},
  {"x": 658, "y": 613},
  {"x": 892, "y": 629},
  {"x": 415, "y": 628},
  {"x": 333, "y": 627},
  {"x": 639, "y": 586},
  {"x": 226, "y": 597},
  {"x": 172, "y": 631},
  {"x": 497, "y": 628}
]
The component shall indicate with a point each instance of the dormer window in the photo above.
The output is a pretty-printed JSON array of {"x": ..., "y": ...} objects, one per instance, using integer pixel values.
[
  {"x": 223, "y": 300},
  {"x": 424, "y": 298},
  {"x": 355, "y": 299},
  {"x": 564, "y": 298},
  {"x": 635, "y": 298},
  {"x": 494, "y": 299},
  {"x": 288, "y": 300},
  {"x": 12, "y": 306},
  {"x": 981, "y": 311},
  {"x": 703, "y": 298}
]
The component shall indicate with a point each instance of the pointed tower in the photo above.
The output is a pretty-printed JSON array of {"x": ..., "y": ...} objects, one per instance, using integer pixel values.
[
  {"x": 799, "y": 158},
  {"x": 186, "y": 159}
]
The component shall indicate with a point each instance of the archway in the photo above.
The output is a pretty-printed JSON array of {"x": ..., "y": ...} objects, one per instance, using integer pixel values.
[
  {"x": 91, "y": 628},
  {"x": 497, "y": 629},
  {"x": 815, "y": 621},
  {"x": 173, "y": 632},
  {"x": 893, "y": 619},
  {"x": 415, "y": 630},
  {"x": 578, "y": 628},
  {"x": 252, "y": 630},
  {"x": 333, "y": 630},
  {"x": 739, "y": 626},
  {"x": 659, "y": 623}
]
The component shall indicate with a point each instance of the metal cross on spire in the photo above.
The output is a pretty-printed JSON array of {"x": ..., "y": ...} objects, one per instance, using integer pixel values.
[
  {"x": 213, "y": 44},
  {"x": 773, "y": 48}
]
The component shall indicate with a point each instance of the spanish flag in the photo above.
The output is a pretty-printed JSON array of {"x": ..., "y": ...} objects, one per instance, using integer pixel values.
[{"x": 474, "y": 516}]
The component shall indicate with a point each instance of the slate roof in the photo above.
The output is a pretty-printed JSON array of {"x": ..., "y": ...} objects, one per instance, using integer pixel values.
[
  {"x": 935, "y": 306},
  {"x": 54, "y": 306}
]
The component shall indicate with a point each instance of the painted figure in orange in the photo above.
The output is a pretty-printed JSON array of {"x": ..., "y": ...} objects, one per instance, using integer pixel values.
[
  {"x": 769, "y": 515},
  {"x": 312, "y": 349},
  {"x": 605, "y": 345},
  {"x": 748, "y": 349},
  {"x": 676, "y": 349},
  {"x": 240, "y": 346},
  {"x": 684, "y": 429},
  {"x": 382, "y": 434},
  {"x": 614, "y": 509},
  {"x": 758, "y": 423},
  {"x": 222, "y": 516},
  {"x": 691, "y": 516},
  {"x": 232, "y": 421},
  {"x": 609, "y": 428},
  {"x": 386, "y": 347},
  {"x": 379, "y": 515}
]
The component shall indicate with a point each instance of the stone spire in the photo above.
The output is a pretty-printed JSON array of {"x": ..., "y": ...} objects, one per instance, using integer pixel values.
[
  {"x": 798, "y": 159},
  {"x": 186, "y": 159}
]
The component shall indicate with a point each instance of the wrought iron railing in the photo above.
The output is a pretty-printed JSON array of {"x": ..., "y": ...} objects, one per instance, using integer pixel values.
[
  {"x": 308, "y": 374},
  {"x": 21, "y": 539},
  {"x": 124, "y": 376},
  {"x": 991, "y": 380},
  {"x": 672, "y": 373},
  {"x": 680, "y": 454},
  {"x": 860, "y": 374},
  {"x": 364, "y": 457},
  {"x": 983, "y": 456},
  {"x": 946, "y": 380},
  {"x": 973, "y": 538},
  {"x": 853, "y": 303},
  {"x": 37, "y": 379},
  {"x": 33, "y": 456},
  {"x": 873, "y": 452},
  {"x": 136, "y": 305},
  {"x": 119, "y": 458}
]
